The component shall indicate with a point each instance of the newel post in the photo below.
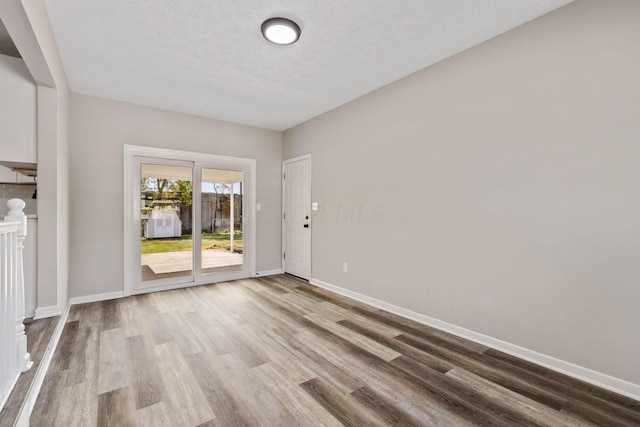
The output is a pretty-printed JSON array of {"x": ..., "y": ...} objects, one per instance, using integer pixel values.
[{"x": 23, "y": 358}]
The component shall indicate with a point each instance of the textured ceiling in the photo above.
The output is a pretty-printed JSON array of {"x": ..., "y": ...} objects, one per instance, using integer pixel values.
[{"x": 208, "y": 57}]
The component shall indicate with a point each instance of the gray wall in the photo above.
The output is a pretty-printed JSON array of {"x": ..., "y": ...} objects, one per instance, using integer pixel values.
[
  {"x": 497, "y": 190},
  {"x": 98, "y": 130}
]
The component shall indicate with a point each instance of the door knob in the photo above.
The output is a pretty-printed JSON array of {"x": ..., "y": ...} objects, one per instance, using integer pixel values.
[{"x": 306, "y": 226}]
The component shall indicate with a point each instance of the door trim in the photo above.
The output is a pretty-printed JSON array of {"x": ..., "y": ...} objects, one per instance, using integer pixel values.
[
  {"x": 131, "y": 253},
  {"x": 284, "y": 201}
]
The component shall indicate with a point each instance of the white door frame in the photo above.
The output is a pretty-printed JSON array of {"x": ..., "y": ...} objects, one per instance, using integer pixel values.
[
  {"x": 131, "y": 252},
  {"x": 284, "y": 202}
]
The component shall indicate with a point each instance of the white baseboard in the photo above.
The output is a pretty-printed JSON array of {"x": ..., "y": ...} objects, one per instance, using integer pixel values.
[
  {"x": 599, "y": 379},
  {"x": 96, "y": 297},
  {"x": 268, "y": 272},
  {"x": 49, "y": 311},
  {"x": 36, "y": 384}
]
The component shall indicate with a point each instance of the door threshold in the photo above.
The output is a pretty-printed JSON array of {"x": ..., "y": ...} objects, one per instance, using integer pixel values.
[{"x": 297, "y": 277}]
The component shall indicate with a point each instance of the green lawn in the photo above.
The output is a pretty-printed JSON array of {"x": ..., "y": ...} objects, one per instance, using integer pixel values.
[{"x": 173, "y": 244}]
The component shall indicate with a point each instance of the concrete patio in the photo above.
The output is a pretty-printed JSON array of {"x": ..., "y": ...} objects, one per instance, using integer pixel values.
[{"x": 166, "y": 263}]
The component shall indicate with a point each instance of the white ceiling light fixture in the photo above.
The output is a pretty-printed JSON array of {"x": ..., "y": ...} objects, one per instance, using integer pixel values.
[
  {"x": 330, "y": 74},
  {"x": 281, "y": 31}
]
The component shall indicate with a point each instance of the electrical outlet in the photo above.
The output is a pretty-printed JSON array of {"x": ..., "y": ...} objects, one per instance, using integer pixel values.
[{"x": 345, "y": 267}]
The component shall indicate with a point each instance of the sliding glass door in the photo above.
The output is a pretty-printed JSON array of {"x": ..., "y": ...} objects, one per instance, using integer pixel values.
[
  {"x": 188, "y": 222},
  {"x": 221, "y": 201},
  {"x": 166, "y": 226}
]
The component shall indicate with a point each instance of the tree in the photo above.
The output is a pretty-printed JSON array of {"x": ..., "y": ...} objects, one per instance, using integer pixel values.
[
  {"x": 184, "y": 190},
  {"x": 157, "y": 185},
  {"x": 145, "y": 184},
  {"x": 219, "y": 189},
  {"x": 161, "y": 185}
]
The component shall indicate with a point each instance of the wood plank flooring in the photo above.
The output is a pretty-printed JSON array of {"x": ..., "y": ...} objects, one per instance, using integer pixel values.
[
  {"x": 38, "y": 333},
  {"x": 277, "y": 351}
]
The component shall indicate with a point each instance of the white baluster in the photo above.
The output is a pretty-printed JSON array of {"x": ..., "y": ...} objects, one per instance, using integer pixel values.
[
  {"x": 23, "y": 358},
  {"x": 8, "y": 249}
]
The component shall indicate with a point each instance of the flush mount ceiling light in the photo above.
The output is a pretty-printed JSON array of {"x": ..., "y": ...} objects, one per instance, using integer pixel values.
[{"x": 280, "y": 31}]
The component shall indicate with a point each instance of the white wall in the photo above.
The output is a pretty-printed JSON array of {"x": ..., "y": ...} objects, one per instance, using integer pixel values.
[
  {"x": 63, "y": 198},
  {"x": 99, "y": 128},
  {"x": 28, "y": 24},
  {"x": 498, "y": 190},
  {"x": 17, "y": 111}
]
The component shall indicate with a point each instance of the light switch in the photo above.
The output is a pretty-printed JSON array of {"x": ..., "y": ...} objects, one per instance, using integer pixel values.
[
  {"x": 314, "y": 206},
  {"x": 258, "y": 207}
]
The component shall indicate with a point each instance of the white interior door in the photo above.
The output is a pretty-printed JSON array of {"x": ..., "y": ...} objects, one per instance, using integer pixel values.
[{"x": 297, "y": 217}]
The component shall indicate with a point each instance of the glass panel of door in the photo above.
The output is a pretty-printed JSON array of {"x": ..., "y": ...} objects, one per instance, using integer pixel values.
[
  {"x": 166, "y": 238},
  {"x": 221, "y": 219}
]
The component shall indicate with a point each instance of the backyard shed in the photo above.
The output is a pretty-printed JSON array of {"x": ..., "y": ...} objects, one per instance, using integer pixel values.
[{"x": 163, "y": 222}]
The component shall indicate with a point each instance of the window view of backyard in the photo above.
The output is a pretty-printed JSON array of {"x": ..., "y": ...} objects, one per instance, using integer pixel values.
[{"x": 166, "y": 194}]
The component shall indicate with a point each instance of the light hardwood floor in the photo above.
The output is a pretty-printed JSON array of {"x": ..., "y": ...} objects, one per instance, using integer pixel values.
[{"x": 277, "y": 351}]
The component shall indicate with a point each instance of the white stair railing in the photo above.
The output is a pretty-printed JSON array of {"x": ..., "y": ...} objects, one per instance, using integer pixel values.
[{"x": 14, "y": 357}]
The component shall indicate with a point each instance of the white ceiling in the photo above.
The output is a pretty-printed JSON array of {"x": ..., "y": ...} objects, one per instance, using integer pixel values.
[{"x": 208, "y": 57}]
